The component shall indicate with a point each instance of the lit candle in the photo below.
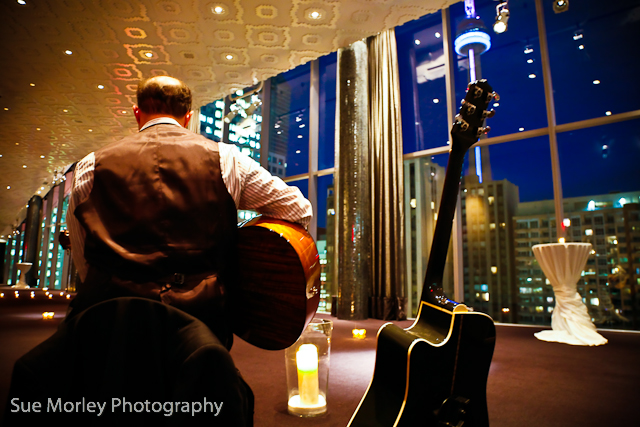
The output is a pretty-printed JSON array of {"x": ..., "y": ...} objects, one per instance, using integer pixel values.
[
  {"x": 359, "y": 333},
  {"x": 307, "y": 362}
]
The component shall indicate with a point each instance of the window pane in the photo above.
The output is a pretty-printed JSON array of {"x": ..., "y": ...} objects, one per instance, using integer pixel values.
[
  {"x": 327, "y": 128},
  {"x": 601, "y": 186},
  {"x": 492, "y": 206},
  {"x": 593, "y": 67},
  {"x": 289, "y": 137},
  {"x": 422, "y": 84},
  {"x": 511, "y": 65},
  {"x": 326, "y": 231},
  {"x": 423, "y": 181}
]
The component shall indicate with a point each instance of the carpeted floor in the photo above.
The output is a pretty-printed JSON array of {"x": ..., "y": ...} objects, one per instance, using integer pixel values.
[{"x": 531, "y": 383}]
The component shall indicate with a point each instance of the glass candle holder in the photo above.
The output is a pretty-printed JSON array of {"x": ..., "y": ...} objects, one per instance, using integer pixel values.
[{"x": 307, "y": 366}]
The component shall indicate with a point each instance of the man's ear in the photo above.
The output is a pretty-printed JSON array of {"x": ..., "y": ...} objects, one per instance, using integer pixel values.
[
  {"x": 187, "y": 118},
  {"x": 136, "y": 113}
]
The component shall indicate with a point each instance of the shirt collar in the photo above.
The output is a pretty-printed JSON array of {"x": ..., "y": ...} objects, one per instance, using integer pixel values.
[{"x": 158, "y": 121}]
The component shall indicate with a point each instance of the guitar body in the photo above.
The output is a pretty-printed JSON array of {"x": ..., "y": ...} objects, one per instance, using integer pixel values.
[
  {"x": 441, "y": 356},
  {"x": 278, "y": 288}
]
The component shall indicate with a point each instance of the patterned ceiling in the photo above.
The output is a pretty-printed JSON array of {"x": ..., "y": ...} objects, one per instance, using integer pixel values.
[{"x": 69, "y": 68}]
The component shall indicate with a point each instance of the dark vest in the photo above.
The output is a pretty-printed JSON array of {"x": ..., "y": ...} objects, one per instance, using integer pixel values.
[{"x": 158, "y": 209}]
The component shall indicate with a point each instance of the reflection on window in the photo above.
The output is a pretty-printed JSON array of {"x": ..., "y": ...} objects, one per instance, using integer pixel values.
[
  {"x": 422, "y": 84},
  {"x": 289, "y": 136},
  {"x": 325, "y": 215}
]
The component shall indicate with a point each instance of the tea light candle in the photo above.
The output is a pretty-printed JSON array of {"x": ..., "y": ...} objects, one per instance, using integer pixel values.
[
  {"x": 359, "y": 333},
  {"x": 307, "y": 362}
]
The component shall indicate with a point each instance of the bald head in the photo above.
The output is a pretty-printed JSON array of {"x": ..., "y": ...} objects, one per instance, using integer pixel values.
[{"x": 164, "y": 95}]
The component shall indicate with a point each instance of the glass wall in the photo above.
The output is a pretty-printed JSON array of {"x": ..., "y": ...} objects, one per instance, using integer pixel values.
[{"x": 568, "y": 93}]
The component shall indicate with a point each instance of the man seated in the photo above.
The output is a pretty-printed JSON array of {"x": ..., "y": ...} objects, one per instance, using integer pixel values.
[{"x": 154, "y": 216}]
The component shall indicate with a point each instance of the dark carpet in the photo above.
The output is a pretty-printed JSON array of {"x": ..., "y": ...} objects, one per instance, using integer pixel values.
[{"x": 531, "y": 382}]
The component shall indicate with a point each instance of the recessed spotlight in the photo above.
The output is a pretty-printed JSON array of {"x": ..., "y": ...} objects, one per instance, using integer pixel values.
[
  {"x": 521, "y": 129},
  {"x": 417, "y": 42},
  {"x": 68, "y": 52},
  {"x": 229, "y": 57},
  {"x": 581, "y": 47},
  {"x": 123, "y": 111},
  {"x": 218, "y": 10},
  {"x": 315, "y": 15},
  {"x": 90, "y": 130},
  {"x": 65, "y": 111},
  {"x": 6, "y": 108},
  {"x": 529, "y": 61},
  {"x": 532, "y": 76},
  {"x": 8, "y": 187},
  {"x": 299, "y": 136},
  {"x": 100, "y": 86},
  {"x": 528, "y": 50},
  {"x": 22, "y": 2},
  {"x": 496, "y": 104},
  {"x": 596, "y": 82},
  {"x": 436, "y": 100},
  {"x": 32, "y": 84},
  {"x": 24, "y": 166},
  {"x": 438, "y": 35},
  {"x": 148, "y": 54},
  {"x": 37, "y": 128},
  {"x": 608, "y": 113},
  {"x": 42, "y": 157},
  {"x": 297, "y": 151}
]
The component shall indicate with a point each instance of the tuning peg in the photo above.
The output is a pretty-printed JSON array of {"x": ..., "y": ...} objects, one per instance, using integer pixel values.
[
  {"x": 471, "y": 108},
  {"x": 493, "y": 95},
  {"x": 462, "y": 123},
  {"x": 487, "y": 114},
  {"x": 477, "y": 92},
  {"x": 482, "y": 130}
]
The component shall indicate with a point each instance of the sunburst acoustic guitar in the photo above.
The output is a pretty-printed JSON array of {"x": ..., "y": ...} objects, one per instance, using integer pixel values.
[{"x": 435, "y": 372}]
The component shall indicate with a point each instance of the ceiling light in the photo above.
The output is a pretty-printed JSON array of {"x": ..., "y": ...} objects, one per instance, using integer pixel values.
[
  {"x": 32, "y": 84},
  {"x": 37, "y": 128},
  {"x": 24, "y": 166},
  {"x": 596, "y": 82},
  {"x": 148, "y": 54},
  {"x": 532, "y": 76},
  {"x": 560, "y": 6},
  {"x": 417, "y": 42},
  {"x": 229, "y": 57},
  {"x": 608, "y": 113},
  {"x": 100, "y": 86},
  {"x": 581, "y": 47},
  {"x": 68, "y": 52},
  {"x": 218, "y": 10},
  {"x": 90, "y": 130},
  {"x": 502, "y": 17},
  {"x": 315, "y": 15},
  {"x": 42, "y": 157},
  {"x": 6, "y": 108},
  {"x": 436, "y": 100},
  {"x": 529, "y": 61},
  {"x": 22, "y": 2},
  {"x": 438, "y": 35},
  {"x": 578, "y": 36},
  {"x": 521, "y": 129},
  {"x": 8, "y": 187}
]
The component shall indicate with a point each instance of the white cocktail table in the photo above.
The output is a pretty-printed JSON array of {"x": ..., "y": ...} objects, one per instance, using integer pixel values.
[{"x": 563, "y": 263}]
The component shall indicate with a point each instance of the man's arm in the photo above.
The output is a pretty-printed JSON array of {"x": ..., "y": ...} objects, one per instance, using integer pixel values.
[{"x": 253, "y": 187}]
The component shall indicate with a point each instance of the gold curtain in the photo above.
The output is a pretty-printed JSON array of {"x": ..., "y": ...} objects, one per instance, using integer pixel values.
[{"x": 385, "y": 133}]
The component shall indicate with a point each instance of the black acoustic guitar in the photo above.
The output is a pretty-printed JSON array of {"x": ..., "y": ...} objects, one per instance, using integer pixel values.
[
  {"x": 435, "y": 372},
  {"x": 278, "y": 287}
]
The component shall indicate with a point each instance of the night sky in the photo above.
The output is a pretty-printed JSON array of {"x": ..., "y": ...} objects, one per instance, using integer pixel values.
[{"x": 594, "y": 62}]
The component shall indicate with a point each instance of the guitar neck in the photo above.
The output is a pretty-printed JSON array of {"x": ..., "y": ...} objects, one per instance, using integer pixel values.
[{"x": 432, "y": 290}]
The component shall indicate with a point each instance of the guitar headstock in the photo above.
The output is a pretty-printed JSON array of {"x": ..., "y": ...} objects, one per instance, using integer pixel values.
[{"x": 468, "y": 126}]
